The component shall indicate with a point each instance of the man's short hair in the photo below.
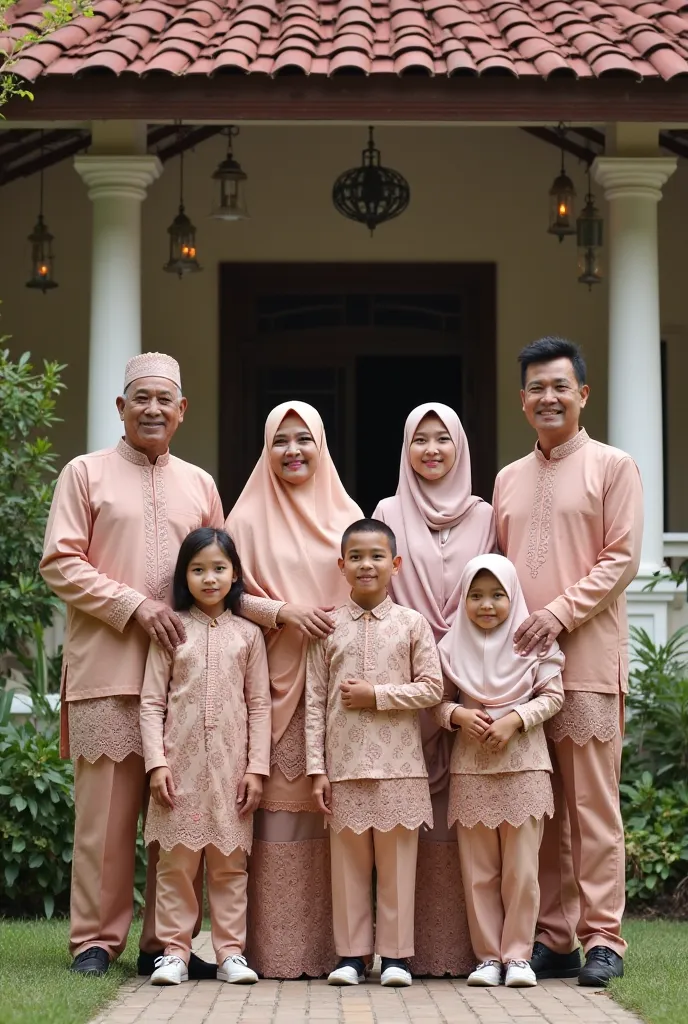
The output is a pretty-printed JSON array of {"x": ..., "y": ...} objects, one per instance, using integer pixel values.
[
  {"x": 370, "y": 526},
  {"x": 551, "y": 347}
]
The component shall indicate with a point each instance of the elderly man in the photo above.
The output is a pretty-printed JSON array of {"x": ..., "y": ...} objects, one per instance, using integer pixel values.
[
  {"x": 570, "y": 517},
  {"x": 117, "y": 521}
]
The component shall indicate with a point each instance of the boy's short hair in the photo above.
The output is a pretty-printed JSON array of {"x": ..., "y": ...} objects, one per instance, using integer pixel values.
[{"x": 370, "y": 526}]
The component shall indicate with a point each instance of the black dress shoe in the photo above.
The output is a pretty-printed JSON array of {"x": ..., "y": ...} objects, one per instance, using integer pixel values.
[
  {"x": 199, "y": 970},
  {"x": 548, "y": 964},
  {"x": 601, "y": 964},
  {"x": 93, "y": 962}
]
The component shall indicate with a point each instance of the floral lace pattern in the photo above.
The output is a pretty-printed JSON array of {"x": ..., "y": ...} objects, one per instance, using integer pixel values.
[
  {"x": 586, "y": 716},
  {"x": 261, "y": 610},
  {"x": 442, "y": 941},
  {"x": 492, "y": 799},
  {"x": 159, "y": 568},
  {"x": 541, "y": 515},
  {"x": 360, "y": 804},
  {"x": 289, "y": 926},
  {"x": 289, "y": 755},
  {"x": 104, "y": 726},
  {"x": 123, "y": 609}
]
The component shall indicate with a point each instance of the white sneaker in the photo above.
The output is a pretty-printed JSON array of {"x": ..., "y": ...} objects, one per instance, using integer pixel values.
[
  {"x": 349, "y": 971},
  {"x": 519, "y": 974},
  {"x": 169, "y": 970},
  {"x": 487, "y": 974},
  {"x": 395, "y": 975},
  {"x": 236, "y": 971}
]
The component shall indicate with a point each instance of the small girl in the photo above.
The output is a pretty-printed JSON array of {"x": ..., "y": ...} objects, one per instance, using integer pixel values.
[
  {"x": 499, "y": 789},
  {"x": 205, "y": 725}
]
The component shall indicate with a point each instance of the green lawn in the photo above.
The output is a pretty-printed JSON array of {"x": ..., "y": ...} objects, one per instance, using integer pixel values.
[
  {"x": 656, "y": 980},
  {"x": 35, "y": 985}
]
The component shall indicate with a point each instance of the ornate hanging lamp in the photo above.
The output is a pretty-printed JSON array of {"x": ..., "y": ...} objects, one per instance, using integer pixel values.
[
  {"x": 232, "y": 205},
  {"x": 589, "y": 230},
  {"x": 562, "y": 196},
  {"x": 42, "y": 258},
  {"x": 371, "y": 194},
  {"x": 182, "y": 257}
]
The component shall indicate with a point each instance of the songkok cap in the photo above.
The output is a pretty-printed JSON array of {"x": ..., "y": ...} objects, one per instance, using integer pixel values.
[{"x": 152, "y": 364}]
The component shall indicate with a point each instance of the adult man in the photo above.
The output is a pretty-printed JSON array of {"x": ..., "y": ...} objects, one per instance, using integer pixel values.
[
  {"x": 569, "y": 516},
  {"x": 117, "y": 521}
]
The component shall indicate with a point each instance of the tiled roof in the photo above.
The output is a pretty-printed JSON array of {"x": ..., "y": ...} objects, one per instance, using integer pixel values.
[{"x": 523, "y": 38}]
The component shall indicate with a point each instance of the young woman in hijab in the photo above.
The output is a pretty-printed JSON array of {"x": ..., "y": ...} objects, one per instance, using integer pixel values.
[
  {"x": 440, "y": 525},
  {"x": 287, "y": 525}
]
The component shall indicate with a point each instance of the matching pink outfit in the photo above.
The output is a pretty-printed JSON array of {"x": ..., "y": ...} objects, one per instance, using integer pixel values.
[
  {"x": 498, "y": 799},
  {"x": 374, "y": 761},
  {"x": 288, "y": 537},
  {"x": 572, "y": 525},
  {"x": 116, "y": 525},
  {"x": 439, "y": 526},
  {"x": 205, "y": 715}
]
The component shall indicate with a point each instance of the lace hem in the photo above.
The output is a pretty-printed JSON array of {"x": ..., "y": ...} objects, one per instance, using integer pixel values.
[
  {"x": 360, "y": 804},
  {"x": 289, "y": 755},
  {"x": 491, "y": 800},
  {"x": 442, "y": 941},
  {"x": 194, "y": 839},
  {"x": 586, "y": 716},
  {"x": 286, "y": 805},
  {"x": 104, "y": 726}
]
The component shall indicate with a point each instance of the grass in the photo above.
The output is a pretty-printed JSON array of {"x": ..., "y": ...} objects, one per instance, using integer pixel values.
[
  {"x": 35, "y": 985},
  {"x": 655, "y": 984}
]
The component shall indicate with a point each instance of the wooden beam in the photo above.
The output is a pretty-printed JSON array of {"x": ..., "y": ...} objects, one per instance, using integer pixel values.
[
  {"x": 47, "y": 159},
  {"x": 565, "y": 142},
  {"x": 187, "y": 140}
]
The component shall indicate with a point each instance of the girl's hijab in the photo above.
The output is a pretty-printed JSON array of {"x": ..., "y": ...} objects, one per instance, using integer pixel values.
[
  {"x": 288, "y": 537},
  {"x": 483, "y": 664}
]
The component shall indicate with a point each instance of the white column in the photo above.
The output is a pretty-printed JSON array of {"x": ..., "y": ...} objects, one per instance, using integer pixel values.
[
  {"x": 117, "y": 186},
  {"x": 633, "y": 187}
]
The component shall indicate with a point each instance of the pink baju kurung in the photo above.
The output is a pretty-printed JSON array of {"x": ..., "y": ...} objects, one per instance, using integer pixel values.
[
  {"x": 116, "y": 525},
  {"x": 572, "y": 524}
]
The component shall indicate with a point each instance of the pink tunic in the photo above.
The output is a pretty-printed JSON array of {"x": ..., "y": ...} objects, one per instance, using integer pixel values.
[{"x": 205, "y": 714}]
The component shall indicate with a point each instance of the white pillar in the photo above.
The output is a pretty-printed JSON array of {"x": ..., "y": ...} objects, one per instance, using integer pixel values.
[
  {"x": 117, "y": 186},
  {"x": 633, "y": 187}
]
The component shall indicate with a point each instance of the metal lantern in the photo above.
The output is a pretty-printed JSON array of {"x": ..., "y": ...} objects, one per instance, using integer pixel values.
[
  {"x": 589, "y": 230},
  {"x": 371, "y": 194},
  {"x": 42, "y": 259},
  {"x": 232, "y": 205},
  {"x": 562, "y": 196},
  {"x": 182, "y": 259}
]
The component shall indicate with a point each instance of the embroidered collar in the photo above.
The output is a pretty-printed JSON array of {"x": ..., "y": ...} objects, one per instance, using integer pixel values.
[
  {"x": 379, "y": 611},
  {"x": 138, "y": 458},
  {"x": 205, "y": 620},
  {"x": 562, "y": 450}
]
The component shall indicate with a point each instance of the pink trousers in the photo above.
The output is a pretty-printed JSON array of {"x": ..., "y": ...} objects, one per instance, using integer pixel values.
[
  {"x": 176, "y": 907},
  {"x": 109, "y": 797},
  {"x": 500, "y": 877},
  {"x": 582, "y": 860},
  {"x": 394, "y": 856}
]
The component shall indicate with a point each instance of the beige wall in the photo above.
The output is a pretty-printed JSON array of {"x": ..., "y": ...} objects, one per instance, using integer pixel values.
[{"x": 478, "y": 194}]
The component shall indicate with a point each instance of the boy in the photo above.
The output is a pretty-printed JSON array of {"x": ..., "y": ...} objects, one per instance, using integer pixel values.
[{"x": 364, "y": 685}]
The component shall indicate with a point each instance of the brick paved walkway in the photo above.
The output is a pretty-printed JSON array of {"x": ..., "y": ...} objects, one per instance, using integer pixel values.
[{"x": 291, "y": 1002}]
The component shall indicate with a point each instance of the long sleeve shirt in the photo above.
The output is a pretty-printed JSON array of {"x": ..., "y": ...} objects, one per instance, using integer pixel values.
[
  {"x": 205, "y": 714},
  {"x": 572, "y": 525},
  {"x": 393, "y": 648}
]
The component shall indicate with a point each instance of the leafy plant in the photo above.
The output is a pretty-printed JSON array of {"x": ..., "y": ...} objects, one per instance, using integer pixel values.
[{"x": 656, "y": 832}]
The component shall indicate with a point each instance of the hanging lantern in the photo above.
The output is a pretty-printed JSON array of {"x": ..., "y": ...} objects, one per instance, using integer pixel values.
[
  {"x": 182, "y": 259},
  {"x": 42, "y": 259},
  {"x": 562, "y": 196},
  {"x": 371, "y": 194},
  {"x": 589, "y": 229},
  {"x": 232, "y": 205}
]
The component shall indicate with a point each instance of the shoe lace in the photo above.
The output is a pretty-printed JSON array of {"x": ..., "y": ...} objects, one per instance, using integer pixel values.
[
  {"x": 487, "y": 963},
  {"x": 238, "y": 959},
  {"x": 167, "y": 961},
  {"x": 518, "y": 963}
]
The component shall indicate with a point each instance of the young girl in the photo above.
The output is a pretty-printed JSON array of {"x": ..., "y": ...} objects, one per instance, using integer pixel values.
[
  {"x": 499, "y": 790},
  {"x": 205, "y": 725}
]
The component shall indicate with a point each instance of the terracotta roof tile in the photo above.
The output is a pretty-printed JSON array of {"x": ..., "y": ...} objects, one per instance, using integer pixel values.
[{"x": 643, "y": 38}]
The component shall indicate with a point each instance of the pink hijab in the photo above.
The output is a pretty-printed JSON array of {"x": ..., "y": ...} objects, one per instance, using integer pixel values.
[
  {"x": 482, "y": 664},
  {"x": 431, "y": 566},
  {"x": 288, "y": 538}
]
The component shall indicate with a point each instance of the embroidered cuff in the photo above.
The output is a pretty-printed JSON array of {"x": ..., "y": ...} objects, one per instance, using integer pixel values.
[
  {"x": 261, "y": 610},
  {"x": 156, "y": 762},
  {"x": 315, "y": 767},
  {"x": 560, "y": 608},
  {"x": 527, "y": 721},
  {"x": 444, "y": 713},
  {"x": 382, "y": 701},
  {"x": 123, "y": 608}
]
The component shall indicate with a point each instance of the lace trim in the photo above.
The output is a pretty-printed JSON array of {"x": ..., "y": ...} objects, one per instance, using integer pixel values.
[
  {"x": 158, "y": 568},
  {"x": 289, "y": 926},
  {"x": 442, "y": 941},
  {"x": 262, "y": 611},
  {"x": 104, "y": 726},
  {"x": 285, "y": 805},
  {"x": 360, "y": 804},
  {"x": 123, "y": 609},
  {"x": 138, "y": 458},
  {"x": 586, "y": 716},
  {"x": 164, "y": 827},
  {"x": 289, "y": 754},
  {"x": 492, "y": 799}
]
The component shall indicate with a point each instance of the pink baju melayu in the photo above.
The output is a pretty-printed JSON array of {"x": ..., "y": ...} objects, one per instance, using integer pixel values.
[
  {"x": 572, "y": 524},
  {"x": 116, "y": 525},
  {"x": 439, "y": 526},
  {"x": 498, "y": 799},
  {"x": 288, "y": 537}
]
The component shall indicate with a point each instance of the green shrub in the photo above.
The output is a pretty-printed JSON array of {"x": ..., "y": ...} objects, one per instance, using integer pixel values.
[{"x": 656, "y": 829}]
